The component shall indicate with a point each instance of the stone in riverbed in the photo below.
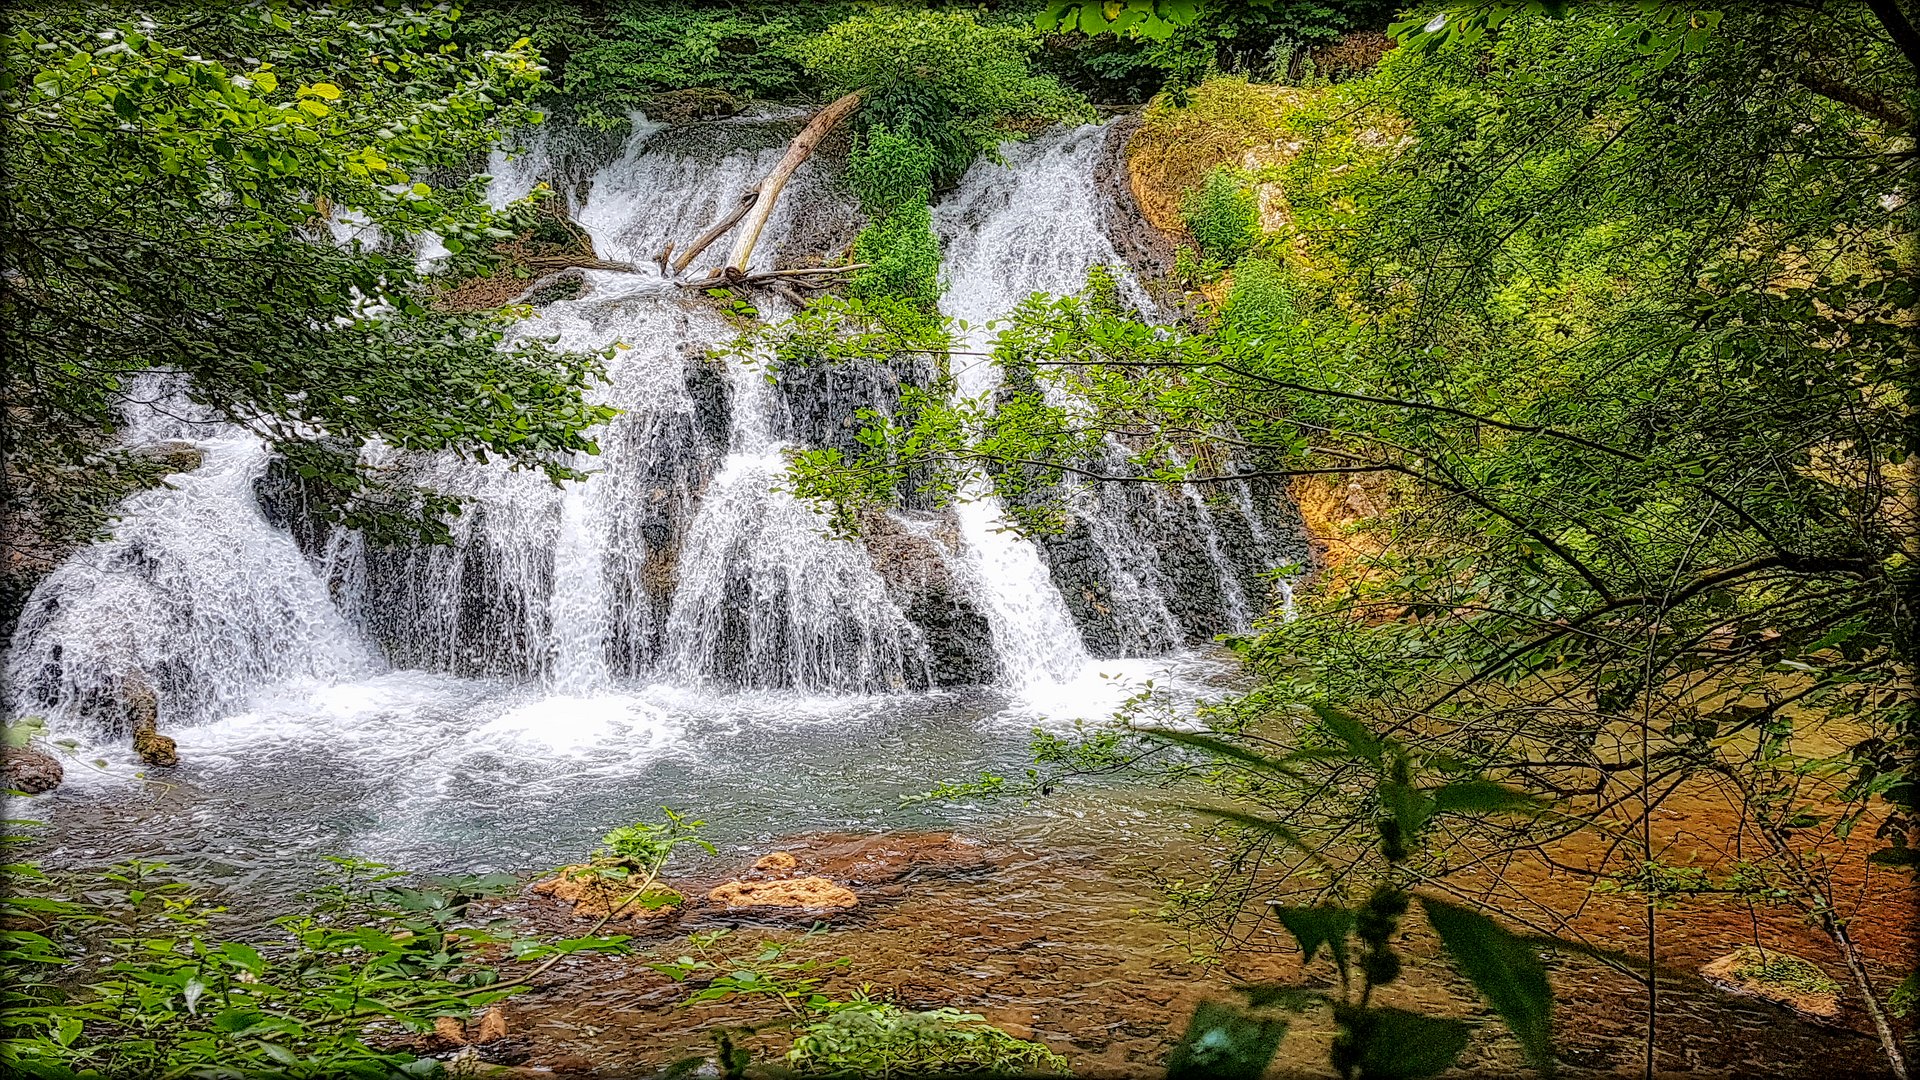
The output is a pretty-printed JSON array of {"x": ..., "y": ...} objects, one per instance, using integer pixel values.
[
  {"x": 155, "y": 748},
  {"x": 805, "y": 893},
  {"x": 594, "y": 894},
  {"x": 1790, "y": 981},
  {"x": 31, "y": 771},
  {"x": 143, "y": 714}
]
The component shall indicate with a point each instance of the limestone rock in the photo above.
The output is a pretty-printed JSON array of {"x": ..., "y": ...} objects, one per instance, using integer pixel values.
[
  {"x": 492, "y": 1026},
  {"x": 775, "y": 862},
  {"x": 29, "y": 770},
  {"x": 595, "y": 895},
  {"x": 449, "y": 1029},
  {"x": 806, "y": 892},
  {"x": 1790, "y": 981},
  {"x": 155, "y": 748},
  {"x": 177, "y": 455}
]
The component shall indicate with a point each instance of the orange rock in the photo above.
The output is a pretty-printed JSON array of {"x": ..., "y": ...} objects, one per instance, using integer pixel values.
[
  {"x": 449, "y": 1029},
  {"x": 491, "y": 1026},
  {"x": 594, "y": 895},
  {"x": 779, "y": 860},
  {"x": 806, "y": 892}
]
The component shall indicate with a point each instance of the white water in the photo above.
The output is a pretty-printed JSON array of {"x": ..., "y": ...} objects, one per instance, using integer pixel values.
[{"x": 653, "y": 629}]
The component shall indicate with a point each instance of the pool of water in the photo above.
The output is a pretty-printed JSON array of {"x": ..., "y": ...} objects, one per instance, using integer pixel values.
[{"x": 438, "y": 773}]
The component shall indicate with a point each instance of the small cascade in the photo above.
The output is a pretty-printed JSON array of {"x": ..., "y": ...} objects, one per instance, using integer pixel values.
[
  {"x": 194, "y": 594},
  {"x": 1138, "y": 570}
]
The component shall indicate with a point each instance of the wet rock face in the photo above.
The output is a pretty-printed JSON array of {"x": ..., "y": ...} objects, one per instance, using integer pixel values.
[
  {"x": 31, "y": 771},
  {"x": 908, "y": 553}
]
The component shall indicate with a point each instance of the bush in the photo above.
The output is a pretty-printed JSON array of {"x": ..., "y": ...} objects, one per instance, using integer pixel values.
[
  {"x": 1261, "y": 296},
  {"x": 904, "y": 257},
  {"x": 940, "y": 78},
  {"x": 889, "y": 170},
  {"x": 1221, "y": 216}
]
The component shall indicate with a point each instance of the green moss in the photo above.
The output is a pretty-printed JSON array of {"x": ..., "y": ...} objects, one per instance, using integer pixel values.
[{"x": 1782, "y": 970}]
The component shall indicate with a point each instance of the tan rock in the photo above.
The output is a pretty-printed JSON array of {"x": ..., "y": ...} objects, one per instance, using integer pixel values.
[
  {"x": 155, "y": 748},
  {"x": 449, "y": 1029},
  {"x": 595, "y": 895},
  {"x": 806, "y": 892},
  {"x": 1790, "y": 981},
  {"x": 779, "y": 860},
  {"x": 491, "y": 1026}
]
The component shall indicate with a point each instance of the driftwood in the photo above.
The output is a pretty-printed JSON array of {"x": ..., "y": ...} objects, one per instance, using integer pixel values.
[
  {"x": 798, "y": 151},
  {"x": 806, "y": 276},
  {"x": 720, "y": 228},
  {"x": 756, "y": 204}
]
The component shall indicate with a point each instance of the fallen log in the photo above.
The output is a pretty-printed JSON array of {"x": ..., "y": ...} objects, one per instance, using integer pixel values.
[
  {"x": 719, "y": 229},
  {"x": 798, "y": 151},
  {"x": 756, "y": 204},
  {"x": 809, "y": 276}
]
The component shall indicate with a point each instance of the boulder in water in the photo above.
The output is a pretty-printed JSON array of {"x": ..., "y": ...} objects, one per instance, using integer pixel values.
[
  {"x": 177, "y": 455},
  {"x": 143, "y": 714},
  {"x": 30, "y": 771},
  {"x": 1794, "y": 982},
  {"x": 594, "y": 893},
  {"x": 807, "y": 893},
  {"x": 155, "y": 748}
]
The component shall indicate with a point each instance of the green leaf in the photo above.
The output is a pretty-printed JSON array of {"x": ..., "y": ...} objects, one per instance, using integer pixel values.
[
  {"x": 1505, "y": 969},
  {"x": 1349, "y": 731},
  {"x": 1483, "y": 797},
  {"x": 1260, "y": 824},
  {"x": 1399, "y": 1045},
  {"x": 1222, "y": 749},
  {"x": 1225, "y": 1043},
  {"x": 194, "y": 988},
  {"x": 1328, "y": 924}
]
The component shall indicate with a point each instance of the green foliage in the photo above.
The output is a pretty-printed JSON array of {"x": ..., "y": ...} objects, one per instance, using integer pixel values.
[
  {"x": 647, "y": 845},
  {"x": 1409, "y": 796},
  {"x": 1261, "y": 296},
  {"x": 119, "y": 973},
  {"x": 889, "y": 171},
  {"x": 892, "y": 175},
  {"x": 941, "y": 79},
  {"x": 1225, "y": 1043},
  {"x": 1221, "y": 216},
  {"x": 1785, "y": 971},
  {"x": 166, "y": 211},
  {"x": 868, "y": 1038}
]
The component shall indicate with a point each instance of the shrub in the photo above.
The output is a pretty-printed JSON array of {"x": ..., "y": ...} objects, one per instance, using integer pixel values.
[
  {"x": 1221, "y": 216},
  {"x": 903, "y": 257},
  {"x": 1261, "y": 296},
  {"x": 941, "y": 78}
]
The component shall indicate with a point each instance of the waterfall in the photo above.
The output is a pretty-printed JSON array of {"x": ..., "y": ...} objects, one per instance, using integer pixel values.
[
  {"x": 680, "y": 558},
  {"x": 1139, "y": 569},
  {"x": 194, "y": 593}
]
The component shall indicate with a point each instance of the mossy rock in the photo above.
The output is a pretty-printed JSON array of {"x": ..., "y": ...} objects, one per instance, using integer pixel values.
[{"x": 1793, "y": 982}]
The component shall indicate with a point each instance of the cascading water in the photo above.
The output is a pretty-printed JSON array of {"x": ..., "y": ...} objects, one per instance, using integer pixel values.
[
  {"x": 1139, "y": 570},
  {"x": 194, "y": 594},
  {"x": 665, "y": 629}
]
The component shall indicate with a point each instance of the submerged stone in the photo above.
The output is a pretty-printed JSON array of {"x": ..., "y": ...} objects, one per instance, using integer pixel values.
[
  {"x": 805, "y": 892},
  {"x": 1790, "y": 981},
  {"x": 30, "y": 771}
]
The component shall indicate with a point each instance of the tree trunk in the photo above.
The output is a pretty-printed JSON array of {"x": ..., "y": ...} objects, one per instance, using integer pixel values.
[{"x": 767, "y": 193}]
